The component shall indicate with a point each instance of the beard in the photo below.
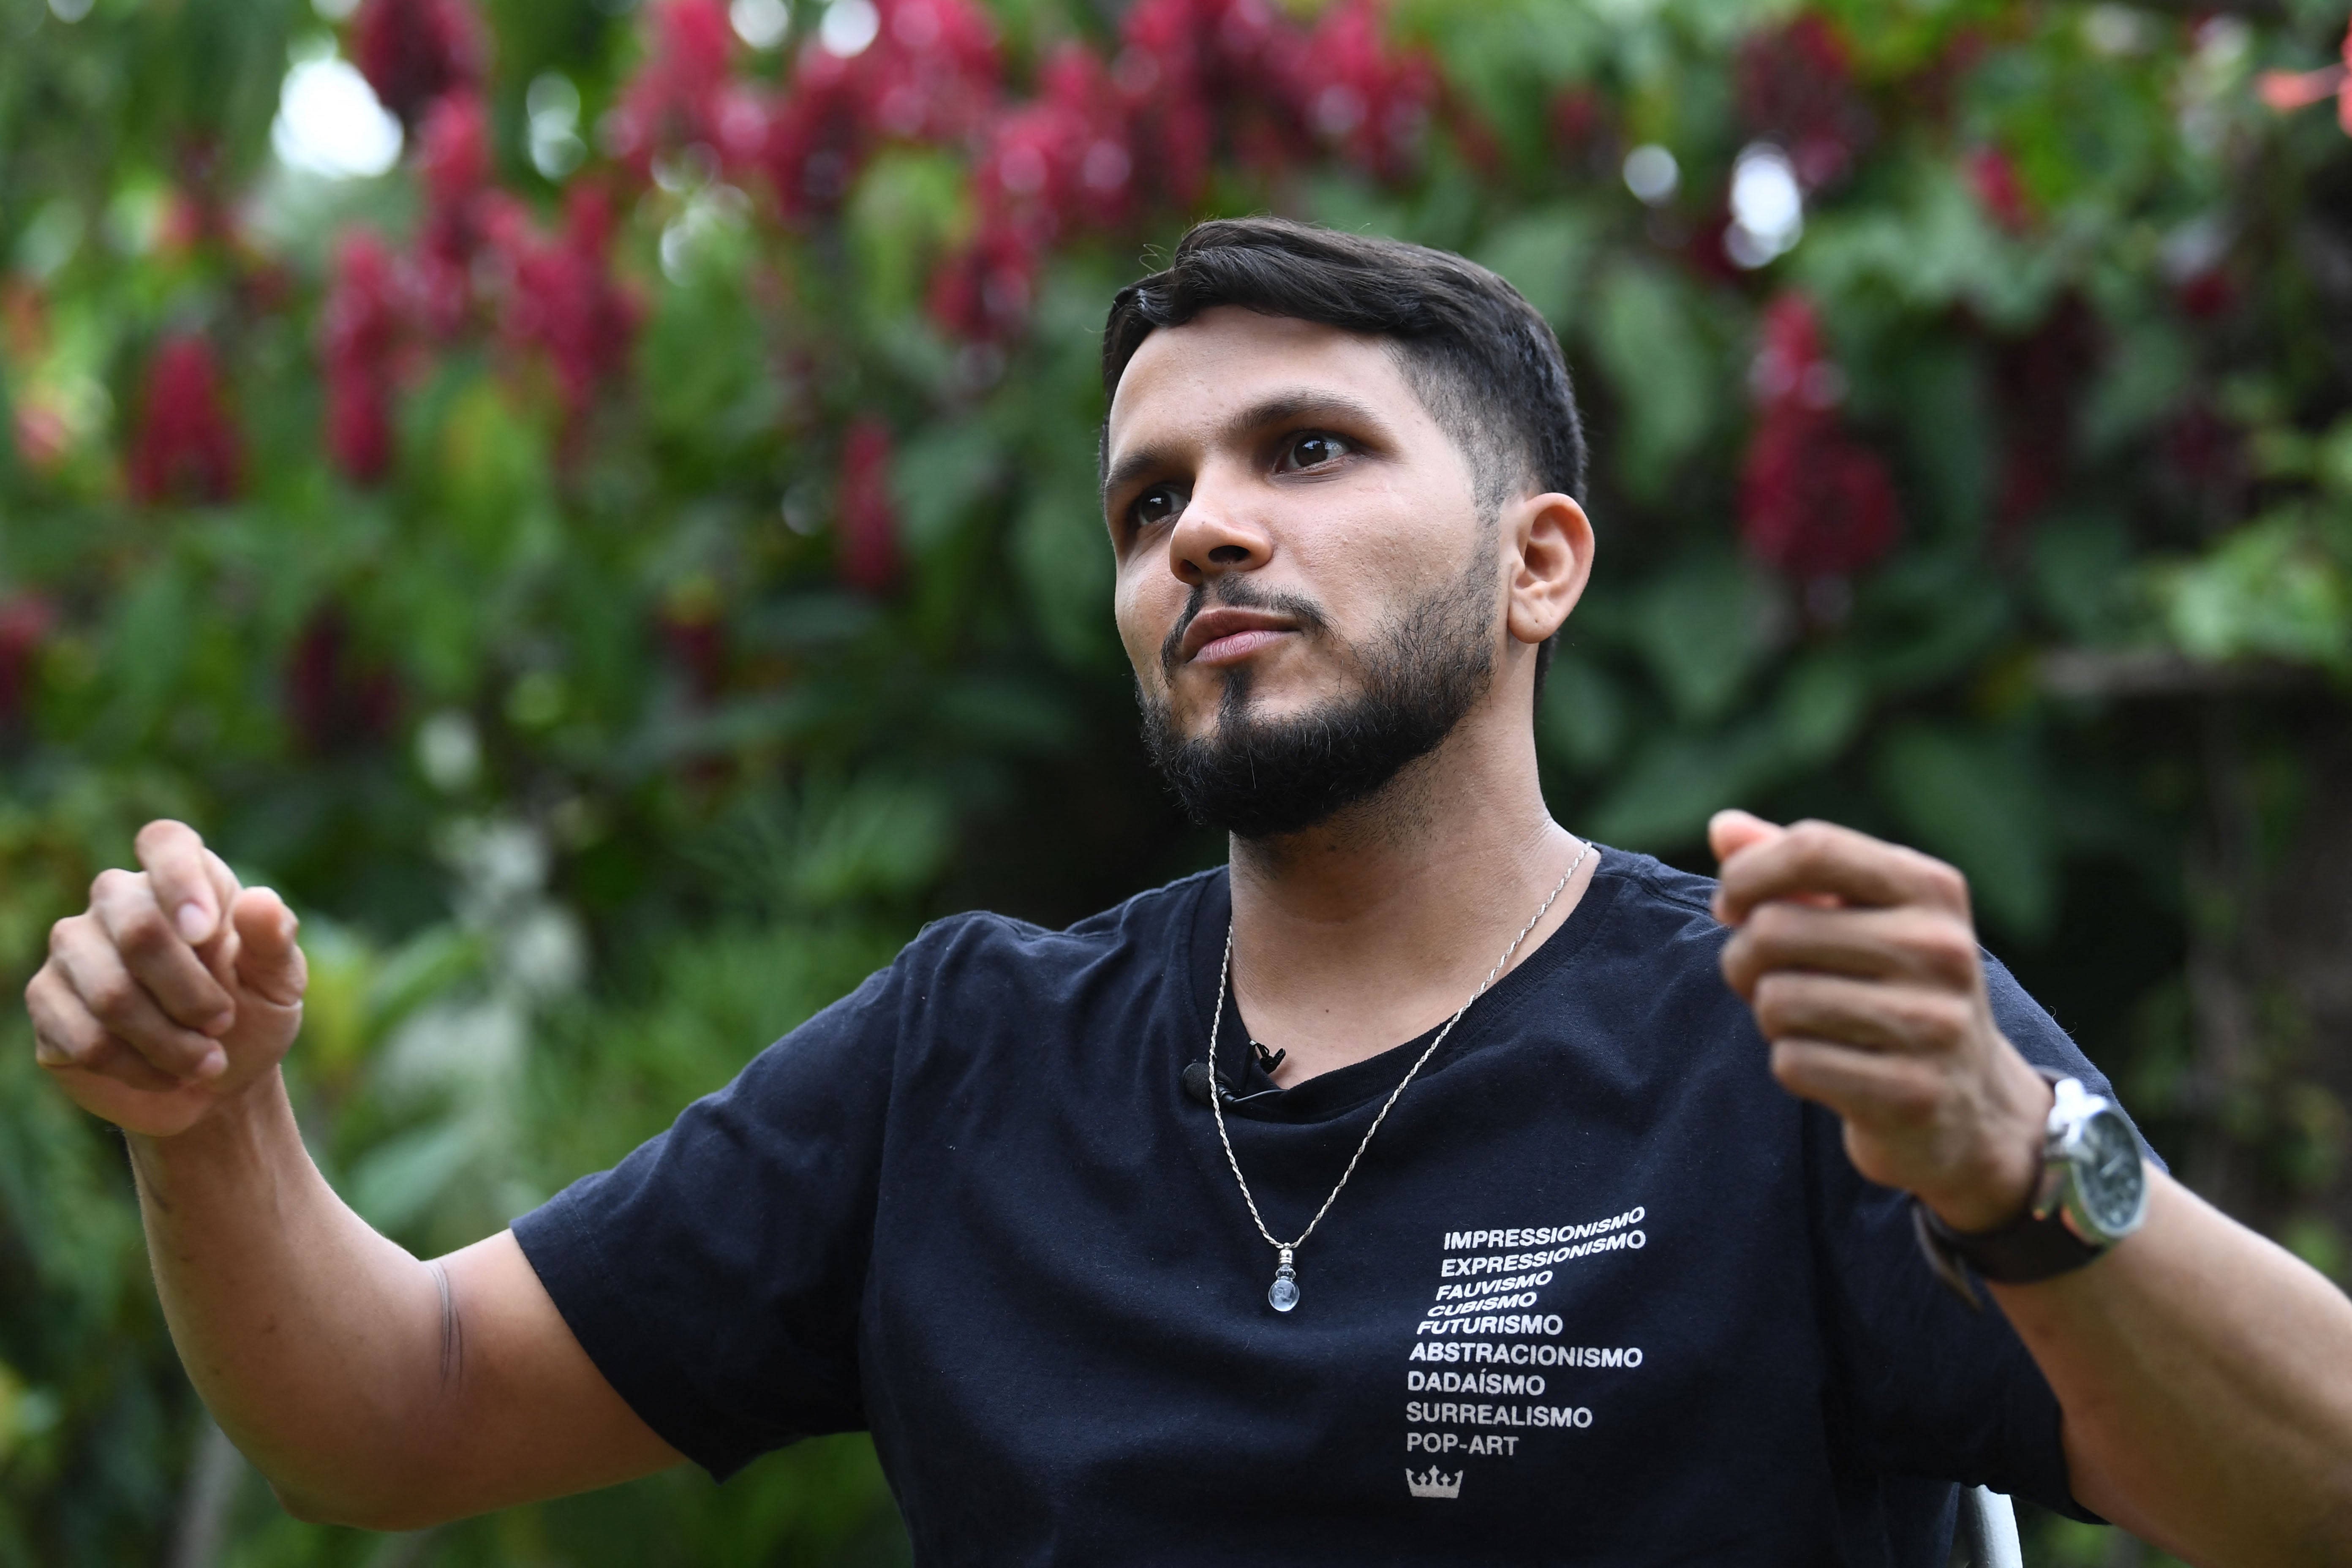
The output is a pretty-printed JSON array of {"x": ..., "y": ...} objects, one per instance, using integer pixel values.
[{"x": 1417, "y": 676}]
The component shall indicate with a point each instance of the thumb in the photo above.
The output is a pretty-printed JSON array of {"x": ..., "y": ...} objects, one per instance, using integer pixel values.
[
  {"x": 1730, "y": 832},
  {"x": 268, "y": 963}
]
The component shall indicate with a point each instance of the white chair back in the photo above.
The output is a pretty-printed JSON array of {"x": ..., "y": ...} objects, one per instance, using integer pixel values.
[{"x": 1989, "y": 1529}]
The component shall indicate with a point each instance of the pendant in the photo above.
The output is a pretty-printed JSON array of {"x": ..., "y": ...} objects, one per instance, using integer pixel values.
[{"x": 1283, "y": 1294}]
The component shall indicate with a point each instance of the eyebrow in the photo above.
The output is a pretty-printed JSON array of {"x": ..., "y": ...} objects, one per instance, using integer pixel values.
[{"x": 1280, "y": 408}]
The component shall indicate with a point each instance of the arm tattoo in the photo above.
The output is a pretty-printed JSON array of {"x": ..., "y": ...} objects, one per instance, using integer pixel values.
[{"x": 452, "y": 1329}]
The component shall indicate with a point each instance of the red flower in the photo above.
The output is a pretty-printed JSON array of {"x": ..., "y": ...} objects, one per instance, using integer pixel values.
[
  {"x": 459, "y": 205},
  {"x": 1584, "y": 132},
  {"x": 1994, "y": 179},
  {"x": 455, "y": 152},
  {"x": 413, "y": 51},
  {"x": 868, "y": 555},
  {"x": 1370, "y": 103},
  {"x": 930, "y": 75},
  {"x": 692, "y": 628},
  {"x": 1057, "y": 165},
  {"x": 683, "y": 95},
  {"x": 358, "y": 331},
  {"x": 816, "y": 136},
  {"x": 1796, "y": 86},
  {"x": 2207, "y": 450},
  {"x": 982, "y": 293},
  {"x": 560, "y": 297},
  {"x": 2207, "y": 294},
  {"x": 26, "y": 622},
  {"x": 334, "y": 699},
  {"x": 2038, "y": 382},
  {"x": 933, "y": 72},
  {"x": 1814, "y": 502},
  {"x": 1189, "y": 66},
  {"x": 186, "y": 448}
]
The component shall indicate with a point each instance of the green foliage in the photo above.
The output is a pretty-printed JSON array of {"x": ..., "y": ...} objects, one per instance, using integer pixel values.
[{"x": 591, "y": 772}]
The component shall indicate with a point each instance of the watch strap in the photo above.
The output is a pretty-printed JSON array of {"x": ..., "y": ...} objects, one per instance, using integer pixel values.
[{"x": 2036, "y": 1245}]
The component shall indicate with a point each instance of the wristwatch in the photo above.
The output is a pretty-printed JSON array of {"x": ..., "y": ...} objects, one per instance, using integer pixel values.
[{"x": 2093, "y": 1194}]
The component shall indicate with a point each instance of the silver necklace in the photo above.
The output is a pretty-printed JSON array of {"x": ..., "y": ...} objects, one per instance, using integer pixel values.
[{"x": 1283, "y": 1294}]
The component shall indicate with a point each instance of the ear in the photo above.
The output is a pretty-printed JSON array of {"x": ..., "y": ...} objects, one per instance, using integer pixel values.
[{"x": 1552, "y": 544}]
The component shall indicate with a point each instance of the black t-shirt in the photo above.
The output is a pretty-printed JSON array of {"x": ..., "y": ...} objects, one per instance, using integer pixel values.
[{"x": 1600, "y": 1291}]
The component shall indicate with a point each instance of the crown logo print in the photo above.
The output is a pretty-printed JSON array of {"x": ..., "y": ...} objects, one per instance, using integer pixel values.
[{"x": 1433, "y": 1484}]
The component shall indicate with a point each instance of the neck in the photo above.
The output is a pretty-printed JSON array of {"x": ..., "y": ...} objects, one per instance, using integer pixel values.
[{"x": 1362, "y": 932}]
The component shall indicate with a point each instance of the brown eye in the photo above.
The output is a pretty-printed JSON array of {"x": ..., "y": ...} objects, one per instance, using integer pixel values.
[
  {"x": 1313, "y": 450},
  {"x": 1157, "y": 505}
]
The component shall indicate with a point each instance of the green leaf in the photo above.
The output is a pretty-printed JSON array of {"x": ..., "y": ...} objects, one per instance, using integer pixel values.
[
  {"x": 876, "y": 838},
  {"x": 2270, "y": 589},
  {"x": 1584, "y": 717},
  {"x": 2142, "y": 381},
  {"x": 2082, "y": 572},
  {"x": 1678, "y": 781},
  {"x": 908, "y": 206},
  {"x": 1821, "y": 704},
  {"x": 1544, "y": 255},
  {"x": 1700, "y": 627},
  {"x": 1641, "y": 333},
  {"x": 939, "y": 477},
  {"x": 1950, "y": 439},
  {"x": 1063, "y": 556},
  {"x": 396, "y": 1181},
  {"x": 1977, "y": 800}
]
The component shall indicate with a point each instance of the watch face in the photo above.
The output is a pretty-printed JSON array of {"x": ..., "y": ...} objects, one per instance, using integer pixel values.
[{"x": 2109, "y": 1176}]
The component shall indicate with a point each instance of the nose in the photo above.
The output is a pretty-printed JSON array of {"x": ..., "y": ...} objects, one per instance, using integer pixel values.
[{"x": 1215, "y": 535}]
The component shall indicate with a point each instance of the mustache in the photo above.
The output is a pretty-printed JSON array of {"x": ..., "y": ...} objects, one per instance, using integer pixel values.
[{"x": 1237, "y": 593}]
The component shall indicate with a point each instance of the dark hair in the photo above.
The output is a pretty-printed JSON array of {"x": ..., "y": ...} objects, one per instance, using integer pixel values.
[{"x": 1490, "y": 368}]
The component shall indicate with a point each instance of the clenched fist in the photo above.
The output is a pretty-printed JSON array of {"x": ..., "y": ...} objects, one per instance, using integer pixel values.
[
  {"x": 1859, "y": 961},
  {"x": 172, "y": 993}
]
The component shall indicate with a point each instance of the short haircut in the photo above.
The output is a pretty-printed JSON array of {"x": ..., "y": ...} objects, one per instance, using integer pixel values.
[{"x": 1483, "y": 363}]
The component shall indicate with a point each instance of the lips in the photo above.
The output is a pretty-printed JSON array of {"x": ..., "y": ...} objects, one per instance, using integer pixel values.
[{"x": 1222, "y": 635}]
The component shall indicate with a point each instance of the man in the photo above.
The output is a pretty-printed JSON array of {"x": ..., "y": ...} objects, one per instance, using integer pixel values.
[{"x": 1449, "y": 1259}]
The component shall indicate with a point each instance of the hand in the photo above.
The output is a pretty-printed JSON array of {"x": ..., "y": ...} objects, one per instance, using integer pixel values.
[
  {"x": 175, "y": 992},
  {"x": 1860, "y": 960}
]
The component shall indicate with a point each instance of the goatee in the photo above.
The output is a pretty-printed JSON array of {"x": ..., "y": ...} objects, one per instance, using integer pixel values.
[{"x": 1417, "y": 676}]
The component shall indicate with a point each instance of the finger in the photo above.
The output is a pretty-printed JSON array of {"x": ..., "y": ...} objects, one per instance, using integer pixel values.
[
  {"x": 66, "y": 1039},
  {"x": 123, "y": 903},
  {"x": 1915, "y": 945},
  {"x": 1820, "y": 858},
  {"x": 63, "y": 1030},
  {"x": 219, "y": 951},
  {"x": 1872, "y": 1089},
  {"x": 1865, "y": 1014},
  {"x": 115, "y": 1059},
  {"x": 269, "y": 962},
  {"x": 173, "y": 856},
  {"x": 1730, "y": 832},
  {"x": 94, "y": 968}
]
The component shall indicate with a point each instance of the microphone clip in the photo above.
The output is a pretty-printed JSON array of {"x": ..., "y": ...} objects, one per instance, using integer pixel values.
[{"x": 1197, "y": 1079}]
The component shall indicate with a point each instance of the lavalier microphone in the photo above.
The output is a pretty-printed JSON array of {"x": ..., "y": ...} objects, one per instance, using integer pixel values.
[{"x": 1197, "y": 1079}]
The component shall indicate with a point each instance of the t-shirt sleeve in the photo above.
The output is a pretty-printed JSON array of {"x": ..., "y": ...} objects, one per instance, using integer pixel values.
[
  {"x": 1931, "y": 1388},
  {"x": 714, "y": 1275}
]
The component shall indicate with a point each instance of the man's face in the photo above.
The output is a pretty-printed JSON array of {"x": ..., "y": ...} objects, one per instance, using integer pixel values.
[{"x": 1296, "y": 538}]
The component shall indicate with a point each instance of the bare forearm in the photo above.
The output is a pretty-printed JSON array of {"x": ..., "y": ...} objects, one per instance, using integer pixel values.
[
  {"x": 371, "y": 1388},
  {"x": 318, "y": 1345},
  {"x": 2206, "y": 1377}
]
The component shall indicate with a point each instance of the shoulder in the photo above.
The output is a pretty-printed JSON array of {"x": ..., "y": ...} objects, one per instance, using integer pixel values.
[
  {"x": 1652, "y": 903},
  {"x": 981, "y": 942},
  {"x": 1643, "y": 953}
]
